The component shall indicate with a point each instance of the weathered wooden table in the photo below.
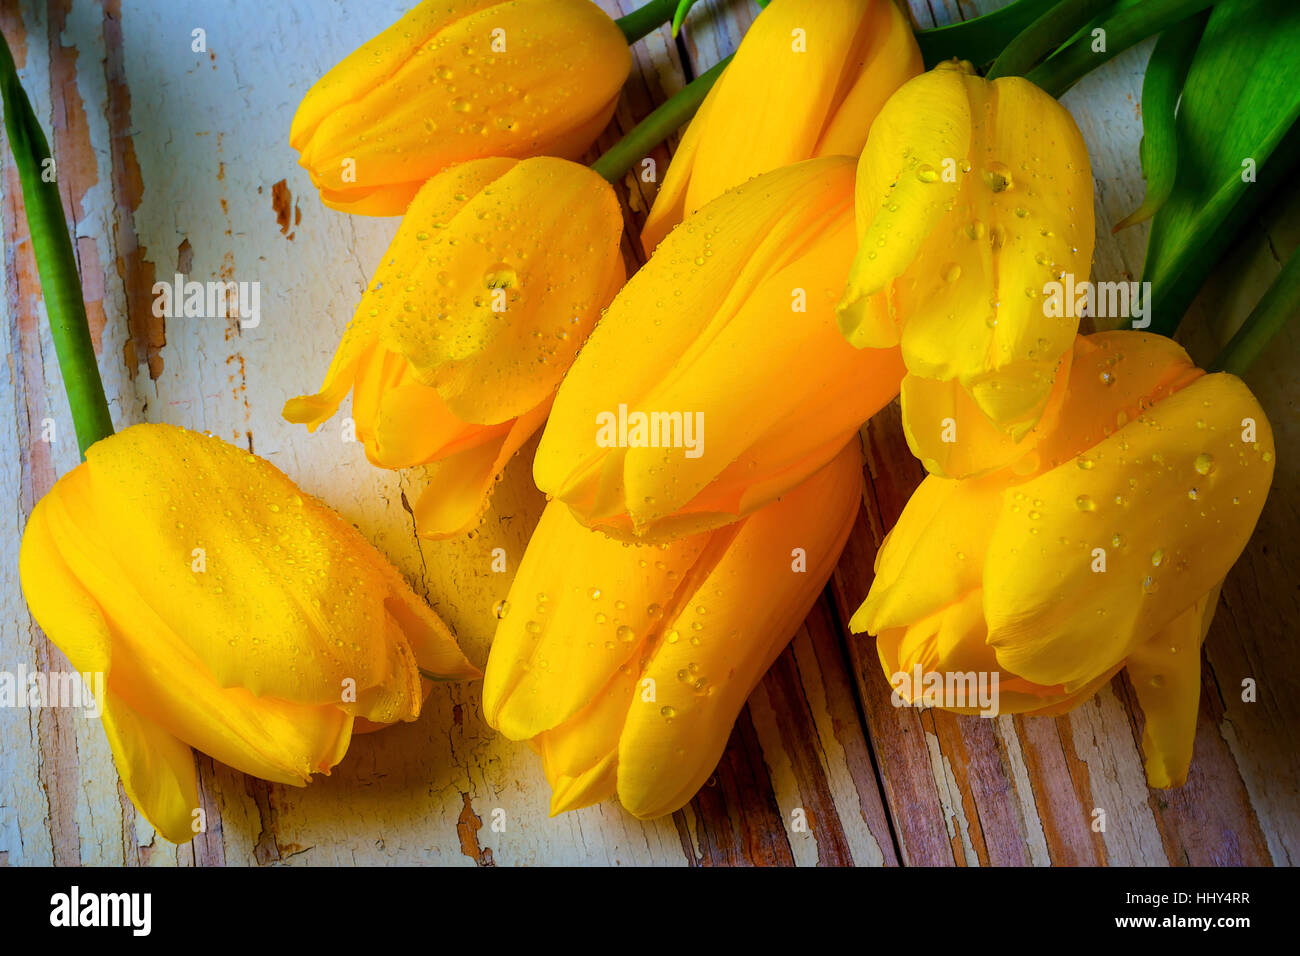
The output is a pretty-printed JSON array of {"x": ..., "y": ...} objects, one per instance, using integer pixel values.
[{"x": 177, "y": 162}]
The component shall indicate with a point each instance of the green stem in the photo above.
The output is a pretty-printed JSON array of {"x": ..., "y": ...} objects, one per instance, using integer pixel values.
[
  {"x": 979, "y": 40},
  {"x": 55, "y": 262},
  {"x": 1044, "y": 36},
  {"x": 1129, "y": 26},
  {"x": 1280, "y": 303},
  {"x": 658, "y": 126},
  {"x": 647, "y": 19}
]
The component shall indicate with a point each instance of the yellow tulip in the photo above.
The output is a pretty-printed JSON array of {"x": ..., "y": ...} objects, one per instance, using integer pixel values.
[
  {"x": 1104, "y": 549},
  {"x": 971, "y": 196},
  {"x": 456, "y": 80},
  {"x": 807, "y": 81},
  {"x": 730, "y": 328},
  {"x": 229, "y": 612},
  {"x": 497, "y": 274},
  {"x": 624, "y": 667}
]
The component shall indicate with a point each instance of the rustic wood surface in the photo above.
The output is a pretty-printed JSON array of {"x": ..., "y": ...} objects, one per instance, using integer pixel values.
[{"x": 170, "y": 161}]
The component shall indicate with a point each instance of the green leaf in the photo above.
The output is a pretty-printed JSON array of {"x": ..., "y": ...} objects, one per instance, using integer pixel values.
[
  {"x": 983, "y": 38},
  {"x": 1045, "y": 35},
  {"x": 1239, "y": 107},
  {"x": 1280, "y": 304},
  {"x": 1161, "y": 87},
  {"x": 56, "y": 263},
  {"x": 1125, "y": 25}
]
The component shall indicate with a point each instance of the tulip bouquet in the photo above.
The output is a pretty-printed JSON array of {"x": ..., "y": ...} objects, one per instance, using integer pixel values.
[{"x": 858, "y": 212}]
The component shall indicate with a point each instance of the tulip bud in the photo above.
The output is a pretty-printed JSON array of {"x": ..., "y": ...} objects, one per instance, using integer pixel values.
[
  {"x": 497, "y": 274},
  {"x": 807, "y": 81},
  {"x": 229, "y": 611},
  {"x": 625, "y": 667},
  {"x": 971, "y": 196},
  {"x": 1104, "y": 547},
  {"x": 456, "y": 80},
  {"x": 717, "y": 380}
]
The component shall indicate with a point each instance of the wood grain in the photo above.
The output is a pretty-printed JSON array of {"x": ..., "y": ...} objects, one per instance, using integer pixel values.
[{"x": 171, "y": 161}]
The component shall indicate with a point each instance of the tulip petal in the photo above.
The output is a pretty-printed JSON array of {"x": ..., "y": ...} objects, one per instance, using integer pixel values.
[
  {"x": 926, "y": 123},
  {"x": 953, "y": 641},
  {"x": 736, "y": 622},
  {"x": 452, "y": 83},
  {"x": 1166, "y": 674},
  {"x": 459, "y": 487},
  {"x": 945, "y": 525},
  {"x": 1171, "y": 515},
  {"x": 491, "y": 309},
  {"x": 951, "y": 435},
  {"x": 742, "y": 265},
  {"x": 580, "y": 608},
  {"x": 966, "y": 216},
  {"x": 806, "y": 82},
  {"x": 156, "y": 769},
  {"x": 440, "y": 200}
]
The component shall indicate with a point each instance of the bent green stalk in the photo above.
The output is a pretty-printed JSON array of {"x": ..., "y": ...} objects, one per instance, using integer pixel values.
[
  {"x": 1280, "y": 303},
  {"x": 55, "y": 262},
  {"x": 1126, "y": 28},
  {"x": 1045, "y": 35},
  {"x": 658, "y": 126},
  {"x": 980, "y": 39},
  {"x": 645, "y": 20}
]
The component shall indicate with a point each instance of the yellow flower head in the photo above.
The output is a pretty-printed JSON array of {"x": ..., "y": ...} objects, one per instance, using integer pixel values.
[
  {"x": 229, "y": 612},
  {"x": 807, "y": 81},
  {"x": 497, "y": 274},
  {"x": 456, "y": 80},
  {"x": 724, "y": 347},
  {"x": 624, "y": 667},
  {"x": 972, "y": 196},
  {"x": 1105, "y": 546}
]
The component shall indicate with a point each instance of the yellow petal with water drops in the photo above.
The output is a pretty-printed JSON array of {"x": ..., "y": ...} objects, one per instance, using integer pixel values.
[
  {"x": 1166, "y": 674},
  {"x": 669, "y": 207},
  {"x": 1023, "y": 218},
  {"x": 950, "y": 434},
  {"x": 156, "y": 769},
  {"x": 491, "y": 308},
  {"x": 659, "y": 481},
  {"x": 239, "y": 616},
  {"x": 448, "y": 84},
  {"x": 966, "y": 217},
  {"x": 951, "y": 646},
  {"x": 726, "y": 283},
  {"x": 806, "y": 81},
  {"x": 167, "y": 692},
  {"x": 945, "y": 525},
  {"x": 272, "y": 555},
  {"x": 1169, "y": 501},
  {"x": 902, "y": 194},
  {"x": 588, "y": 741},
  {"x": 359, "y": 356},
  {"x": 580, "y": 607},
  {"x": 414, "y": 427},
  {"x": 458, "y": 488},
  {"x": 737, "y": 621},
  {"x": 1115, "y": 377}
]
